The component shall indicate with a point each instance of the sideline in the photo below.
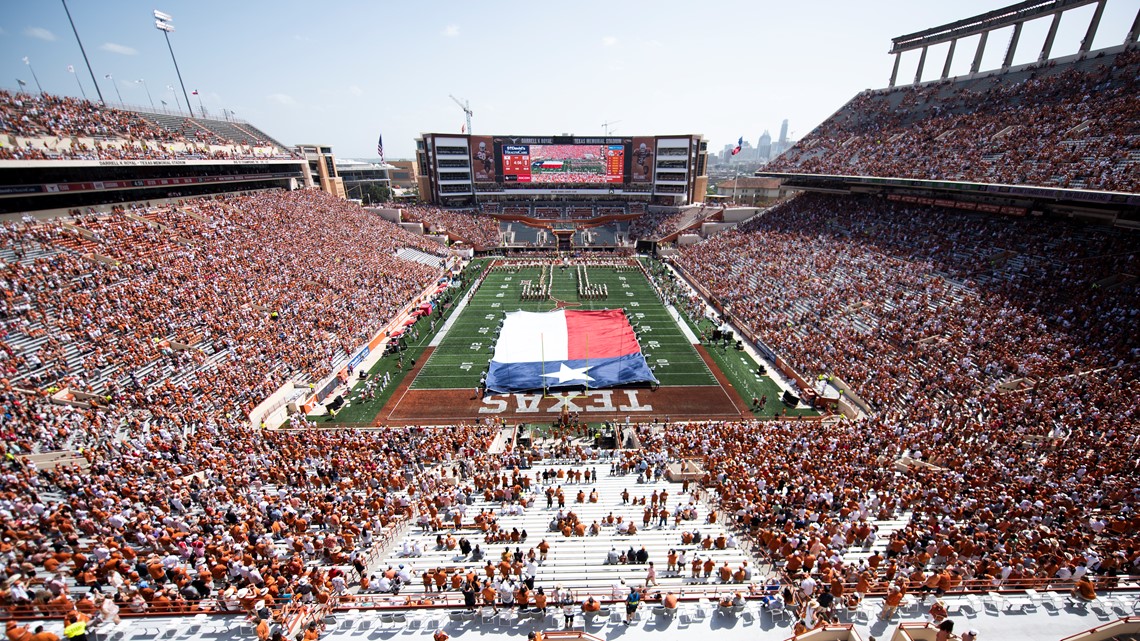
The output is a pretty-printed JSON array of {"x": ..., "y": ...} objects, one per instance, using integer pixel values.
[
  {"x": 784, "y": 383},
  {"x": 456, "y": 313},
  {"x": 689, "y": 335}
]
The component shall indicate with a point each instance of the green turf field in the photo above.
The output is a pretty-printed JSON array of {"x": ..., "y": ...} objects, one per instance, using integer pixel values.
[
  {"x": 464, "y": 353},
  {"x": 466, "y": 350}
]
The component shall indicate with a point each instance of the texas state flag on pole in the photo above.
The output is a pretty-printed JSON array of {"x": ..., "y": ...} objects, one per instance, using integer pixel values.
[
  {"x": 739, "y": 146},
  {"x": 566, "y": 348}
]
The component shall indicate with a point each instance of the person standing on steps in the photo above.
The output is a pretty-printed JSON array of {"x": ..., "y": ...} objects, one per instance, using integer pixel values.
[{"x": 631, "y": 602}]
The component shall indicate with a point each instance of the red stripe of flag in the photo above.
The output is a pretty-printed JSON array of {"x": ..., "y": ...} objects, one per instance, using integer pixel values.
[{"x": 599, "y": 334}]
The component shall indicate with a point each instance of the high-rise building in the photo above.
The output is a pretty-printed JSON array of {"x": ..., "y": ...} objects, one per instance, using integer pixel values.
[
  {"x": 764, "y": 147},
  {"x": 782, "y": 144}
]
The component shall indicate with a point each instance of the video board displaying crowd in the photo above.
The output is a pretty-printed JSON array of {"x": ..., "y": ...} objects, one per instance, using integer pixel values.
[
  {"x": 574, "y": 164},
  {"x": 562, "y": 159}
]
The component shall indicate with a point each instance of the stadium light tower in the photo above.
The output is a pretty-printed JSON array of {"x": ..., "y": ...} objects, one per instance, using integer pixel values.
[
  {"x": 466, "y": 107},
  {"x": 607, "y": 127},
  {"x": 164, "y": 23}
]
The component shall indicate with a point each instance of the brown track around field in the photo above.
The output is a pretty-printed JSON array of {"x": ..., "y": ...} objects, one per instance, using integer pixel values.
[
  {"x": 402, "y": 388},
  {"x": 733, "y": 395},
  {"x": 444, "y": 406}
]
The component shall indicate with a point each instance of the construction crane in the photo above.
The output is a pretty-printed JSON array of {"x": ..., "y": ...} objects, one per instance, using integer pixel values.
[
  {"x": 606, "y": 126},
  {"x": 466, "y": 107}
]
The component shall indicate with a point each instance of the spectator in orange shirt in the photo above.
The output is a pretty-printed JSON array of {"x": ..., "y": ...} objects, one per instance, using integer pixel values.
[
  {"x": 891, "y": 603},
  {"x": 1084, "y": 590}
]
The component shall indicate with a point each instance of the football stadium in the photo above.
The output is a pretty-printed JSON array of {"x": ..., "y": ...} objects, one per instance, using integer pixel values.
[{"x": 893, "y": 397}]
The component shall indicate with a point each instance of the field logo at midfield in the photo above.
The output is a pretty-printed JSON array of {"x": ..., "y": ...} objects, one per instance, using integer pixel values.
[{"x": 597, "y": 400}]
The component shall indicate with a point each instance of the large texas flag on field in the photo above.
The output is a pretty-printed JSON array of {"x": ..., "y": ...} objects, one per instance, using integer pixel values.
[{"x": 566, "y": 348}]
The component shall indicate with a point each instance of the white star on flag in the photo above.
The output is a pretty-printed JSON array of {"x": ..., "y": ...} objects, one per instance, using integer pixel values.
[{"x": 570, "y": 374}]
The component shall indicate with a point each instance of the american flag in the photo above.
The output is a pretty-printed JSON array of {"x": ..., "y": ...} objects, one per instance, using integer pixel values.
[{"x": 380, "y": 148}]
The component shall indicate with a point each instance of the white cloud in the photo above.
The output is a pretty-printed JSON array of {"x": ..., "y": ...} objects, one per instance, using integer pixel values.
[
  {"x": 118, "y": 48},
  {"x": 609, "y": 41},
  {"x": 356, "y": 91},
  {"x": 281, "y": 98},
  {"x": 39, "y": 32},
  {"x": 451, "y": 30}
]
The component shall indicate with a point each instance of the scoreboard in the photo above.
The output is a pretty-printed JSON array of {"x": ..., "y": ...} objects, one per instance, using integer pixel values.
[
  {"x": 577, "y": 160},
  {"x": 615, "y": 163},
  {"x": 516, "y": 163},
  {"x": 567, "y": 161}
]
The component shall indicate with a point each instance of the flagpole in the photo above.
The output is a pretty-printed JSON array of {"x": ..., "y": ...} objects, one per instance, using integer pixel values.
[
  {"x": 587, "y": 364},
  {"x": 81, "y": 91},
  {"x": 142, "y": 81},
  {"x": 542, "y": 357},
  {"x": 29, "y": 63},
  {"x": 111, "y": 77}
]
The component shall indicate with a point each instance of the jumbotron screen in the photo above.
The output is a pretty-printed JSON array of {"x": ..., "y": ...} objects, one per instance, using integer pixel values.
[{"x": 564, "y": 163}]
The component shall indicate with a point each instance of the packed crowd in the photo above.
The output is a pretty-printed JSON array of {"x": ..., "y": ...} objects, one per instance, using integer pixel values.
[
  {"x": 567, "y": 152},
  {"x": 912, "y": 313},
  {"x": 60, "y": 116},
  {"x": 557, "y": 178},
  {"x": 479, "y": 231},
  {"x": 205, "y": 315},
  {"x": 1001, "y": 375},
  {"x": 1073, "y": 125},
  {"x": 222, "y": 517},
  {"x": 996, "y": 367},
  {"x": 117, "y": 134},
  {"x": 657, "y": 225}
]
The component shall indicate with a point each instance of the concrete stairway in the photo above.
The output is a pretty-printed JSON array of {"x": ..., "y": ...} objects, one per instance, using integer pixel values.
[{"x": 578, "y": 562}]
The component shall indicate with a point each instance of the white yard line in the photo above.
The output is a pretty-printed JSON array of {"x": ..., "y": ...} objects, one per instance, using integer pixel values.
[
  {"x": 692, "y": 338},
  {"x": 435, "y": 341}
]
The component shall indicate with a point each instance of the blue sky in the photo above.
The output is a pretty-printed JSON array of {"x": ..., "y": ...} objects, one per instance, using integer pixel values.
[{"x": 341, "y": 72}]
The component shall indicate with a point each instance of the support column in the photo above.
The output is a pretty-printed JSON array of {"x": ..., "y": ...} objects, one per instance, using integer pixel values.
[
  {"x": 949, "y": 59},
  {"x": 1012, "y": 46},
  {"x": 1086, "y": 44},
  {"x": 1134, "y": 32},
  {"x": 921, "y": 64},
  {"x": 977, "y": 64},
  {"x": 895, "y": 72},
  {"x": 1049, "y": 37}
]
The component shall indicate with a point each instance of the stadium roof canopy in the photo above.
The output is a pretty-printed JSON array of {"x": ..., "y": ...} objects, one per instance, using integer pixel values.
[{"x": 989, "y": 21}]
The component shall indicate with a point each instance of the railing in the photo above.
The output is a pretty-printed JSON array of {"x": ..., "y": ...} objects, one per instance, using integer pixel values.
[
  {"x": 437, "y": 600},
  {"x": 833, "y": 631},
  {"x": 1106, "y": 629},
  {"x": 179, "y": 113}
]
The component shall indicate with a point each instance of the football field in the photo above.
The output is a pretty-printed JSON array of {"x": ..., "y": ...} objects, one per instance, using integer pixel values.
[
  {"x": 466, "y": 349},
  {"x": 443, "y": 383}
]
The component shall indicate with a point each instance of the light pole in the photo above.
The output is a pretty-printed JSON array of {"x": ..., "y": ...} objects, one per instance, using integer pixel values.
[
  {"x": 163, "y": 22},
  {"x": 112, "y": 79},
  {"x": 142, "y": 82},
  {"x": 71, "y": 70},
  {"x": 84, "y": 52},
  {"x": 29, "y": 63}
]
